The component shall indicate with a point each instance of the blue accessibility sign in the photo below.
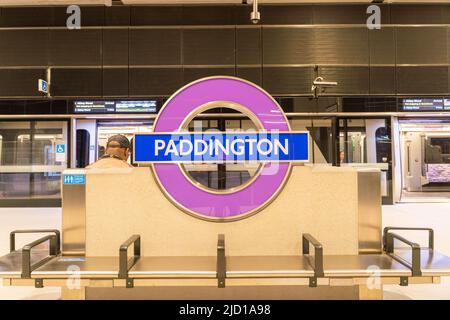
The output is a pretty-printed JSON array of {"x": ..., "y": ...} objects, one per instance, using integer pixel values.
[
  {"x": 60, "y": 148},
  {"x": 74, "y": 179}
]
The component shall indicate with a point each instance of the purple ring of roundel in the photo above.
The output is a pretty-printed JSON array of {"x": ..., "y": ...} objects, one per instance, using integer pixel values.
[{"x": 201, "y": 202}]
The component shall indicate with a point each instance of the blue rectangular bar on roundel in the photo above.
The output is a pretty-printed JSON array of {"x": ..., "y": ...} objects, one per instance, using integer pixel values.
[{"x": 221, "y": 147}]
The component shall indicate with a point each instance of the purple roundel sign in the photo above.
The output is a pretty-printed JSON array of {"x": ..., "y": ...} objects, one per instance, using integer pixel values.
[{"x": 182, "y": 107}]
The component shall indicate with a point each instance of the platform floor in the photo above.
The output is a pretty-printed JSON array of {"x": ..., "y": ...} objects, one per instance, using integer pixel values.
[
  {"x": 425, "y": 197},
  {"x": 434, "y": 215}
]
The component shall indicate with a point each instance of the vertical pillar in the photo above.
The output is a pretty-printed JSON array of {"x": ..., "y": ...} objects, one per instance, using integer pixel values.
[{"x": 335, "y": 142}]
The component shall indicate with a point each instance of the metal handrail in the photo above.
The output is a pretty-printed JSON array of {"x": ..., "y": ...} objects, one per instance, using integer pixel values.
[
  {"x": 124, "y": 264},
  {"x": 27, "y": 267},
  {"x": 308, "y": 240},
  {"x": 12, "y": 237},
  {"x": 221, "y": 266},
  {"x": 415, "y": 263},
  {"x": 430, "y": 234}
]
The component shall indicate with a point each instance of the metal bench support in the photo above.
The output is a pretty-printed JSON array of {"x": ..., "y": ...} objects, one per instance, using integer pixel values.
[
  {"x": 308, "y": 240},
  {"x": 221, "y": 262},
  {"x": 126, "y": 264}
]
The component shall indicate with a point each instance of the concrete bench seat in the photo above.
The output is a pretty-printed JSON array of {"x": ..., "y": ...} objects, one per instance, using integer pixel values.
[
  {"x": 269, "y": 266},
  {"x": 174, "y": 267},
  {"x": 303, "y": 269},
  {"x": 432, "y": 263},
  {"x": 63, "y": 267},
  {"x": 363, "y": 266},
  {"x": 11, "y": 264}
]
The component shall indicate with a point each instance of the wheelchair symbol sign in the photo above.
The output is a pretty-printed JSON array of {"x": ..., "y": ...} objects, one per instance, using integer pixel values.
[
  {"x": 60, "y": 148},
  {"x": 60, "y": 154}
]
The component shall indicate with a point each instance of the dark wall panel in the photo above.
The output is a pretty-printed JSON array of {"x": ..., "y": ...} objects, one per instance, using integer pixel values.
[
  {"x": 23, "y": 48},
  {"x": 251, "y": 74},
  {"x": 155, "y": 47},
  {"x": 351, "y": 80},
  {"x": 208, "y": 15},
  {"x": 248, "y": 46},
  {"x": 275, "y": 14},
  {"x": 382, "y": 46},
  {"x": 321, "y": 46},
  {"x": 422, "y": 45},
  {"x": 75, "y": 47},
  {"x": 115, "y": 82},
  {"x": 117, "y": 16},
  {"x": 209, "y": 46},
  {"x": 115, "y": 47},
  {"x": 417, "y": 14},
  {"x": 422, "y": 80},
  {"x": 38, "y": 107},
  {"x": 77, "y": 82},
  {"x": 362, "y": 61},
  {"x": 155, "y": 81},
  {"x": 12, "y": 107},
  {"x": 192, "y": 74},
  {"x": 382, "y": 80},
  {"x": 288, "y": 46},
  {"x": 287, "y": 80},
  {"x": 340, "y": 14},
  {"x": 26, "y": 17},
  {"x": 20, "y": 82},
  {"x": 341, "y": 46},
  {"x": 155, "y": 15}
]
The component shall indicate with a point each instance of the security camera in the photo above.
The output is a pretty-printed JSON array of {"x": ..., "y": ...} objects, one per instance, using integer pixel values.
[
  {"x": 319, "y": 85},
  {"x": 255, "y": 17},
  {"x": 319, "y": 82}
]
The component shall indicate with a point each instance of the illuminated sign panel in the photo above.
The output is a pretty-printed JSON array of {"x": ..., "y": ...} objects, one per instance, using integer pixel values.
[
  {"x": 426, "y": 104},
  {"x": 147, "y": 106}
]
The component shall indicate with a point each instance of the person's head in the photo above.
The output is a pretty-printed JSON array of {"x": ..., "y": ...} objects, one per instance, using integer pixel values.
[
  {"x": 342, "y": 156},
  {"x": 119, "y": 146}
]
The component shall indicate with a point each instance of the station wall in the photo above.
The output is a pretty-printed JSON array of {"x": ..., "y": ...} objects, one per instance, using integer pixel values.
[{"x": 124, "y": 51}]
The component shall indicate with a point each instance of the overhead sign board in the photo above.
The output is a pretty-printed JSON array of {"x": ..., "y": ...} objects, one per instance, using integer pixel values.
[
  {"x": 425, "y": 104},
  {"x": 126, "y": 106}
]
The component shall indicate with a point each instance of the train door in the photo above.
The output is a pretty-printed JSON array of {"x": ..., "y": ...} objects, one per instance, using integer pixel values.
[
  {"x": 86, "y": 133},
  {"x": 425, "y": 160},
  {"x": 33, "y": 154},
  {"x": 367, "y": 143}
]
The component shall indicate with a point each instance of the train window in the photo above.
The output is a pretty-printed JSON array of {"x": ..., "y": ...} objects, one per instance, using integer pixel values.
[
  {"x": 437, "y": 150},
  {"x": 30, "y": 166}
]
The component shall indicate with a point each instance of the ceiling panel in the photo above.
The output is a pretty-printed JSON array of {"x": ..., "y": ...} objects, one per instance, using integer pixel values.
[
  {"x": 274, "y": 1},
  {"x": 143, "y": 2},
  {"x": 53, "y": 2}
]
